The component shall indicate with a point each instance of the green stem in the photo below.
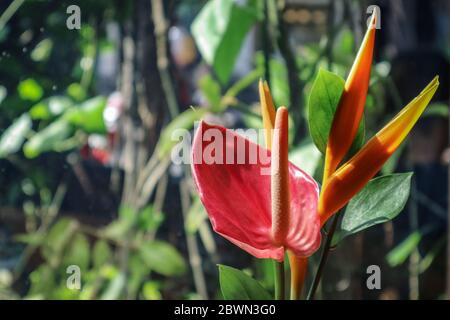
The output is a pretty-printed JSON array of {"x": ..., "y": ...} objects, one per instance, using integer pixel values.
[
  {"x": 266, "y": 42},
  {"x": 279, "y": 280},
  {"x": 323, "y": 258}
]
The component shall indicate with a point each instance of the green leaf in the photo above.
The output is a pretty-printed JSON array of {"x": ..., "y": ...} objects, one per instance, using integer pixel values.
[
  {"x": 13, "y": 137},
  {"x": 118, "y": 228},
  {"x": 265, "y": 273},
  {"x": 184, "y": 121},
  {"x": 78, "y": 252},
  {"x": 50, "y": 107},
  {"x": 101, "y": 253},
  {"x": 48, "y": 139},
  {"x": 236, "y": 285},
  {"x": 88, "y": 116},
  {"x": 150, "y": 291},
  {"x": 219, "y": 30},
  {"x": 42, "y": 50},
  {"x": 76, "y": 91},
  {"x": 381, "y": 200},
  {"x": 211, "y": 90},
  {"x": 115, "y": 287},
  {"x": 34, "y": 239},
  {"x": 137, "y": 274},
  {"x": 57, "y": 239},
  {"x": 42, "y": 282},
  {"x": 279, "y": 83},
  {"x": 195, "y": 216},
  {"x": 307, "y": 157},
  {"x": 401, "y": 252},
  {"x": 163, "y": 258},
  {"x": 29, "y": 89},
  {"x": 244, "y": 82},
  {"x": 150, "y": 219},
  {"x": 344, "y": 47},
  {"x": 323, "y": 101}
]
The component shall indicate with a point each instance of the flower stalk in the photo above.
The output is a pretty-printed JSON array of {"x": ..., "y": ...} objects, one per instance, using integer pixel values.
[{"x": 279, "y": 280}]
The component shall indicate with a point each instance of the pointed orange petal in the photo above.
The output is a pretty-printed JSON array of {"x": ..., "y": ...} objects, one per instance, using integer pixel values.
[
  {"x": 267, "y": 111},
  {"x": 351, "y": 105},
  {"x": 280, "y": 178},
  {"x": 348, "y": 180}
]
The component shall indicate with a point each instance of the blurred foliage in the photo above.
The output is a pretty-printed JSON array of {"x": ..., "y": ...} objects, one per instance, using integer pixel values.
[
  {"x": 219, "y": 30},
  {"x": 50, "y": 106},
  {"x": 95, "y": 252}
]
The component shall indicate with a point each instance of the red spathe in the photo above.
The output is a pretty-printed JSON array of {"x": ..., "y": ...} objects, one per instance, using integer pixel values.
[{"x": 237, "y": 195}]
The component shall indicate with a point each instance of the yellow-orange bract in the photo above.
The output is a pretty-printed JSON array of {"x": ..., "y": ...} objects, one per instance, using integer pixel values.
[
  {"x": 351, "y": 105},
  {"x": 351, "y": 177},
  {"x": 267, "y": 112}
]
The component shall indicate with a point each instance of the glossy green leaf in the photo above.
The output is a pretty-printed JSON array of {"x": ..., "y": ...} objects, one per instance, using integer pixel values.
[
  {"x": 381, "y": 200},
  {"x": 48, "y": 139},
  {"x": 29, "y": 89},
  {"x": 265, "y": 273},
  {"x": 237, "y": 285},
  {"x": 323, "y": 101},
  {"x": 184, "y": 121},
  {"x": 13, "y": 137},
  {"x": 219, "y": 30},
  {"x": 162, "y": 258}
]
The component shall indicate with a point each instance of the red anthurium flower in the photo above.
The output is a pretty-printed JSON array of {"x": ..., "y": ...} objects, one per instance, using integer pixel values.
[{"x": 264, "y": 205}]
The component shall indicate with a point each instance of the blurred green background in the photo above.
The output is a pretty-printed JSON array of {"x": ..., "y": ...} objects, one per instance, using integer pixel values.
[{"x": 86, "y": 122}]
